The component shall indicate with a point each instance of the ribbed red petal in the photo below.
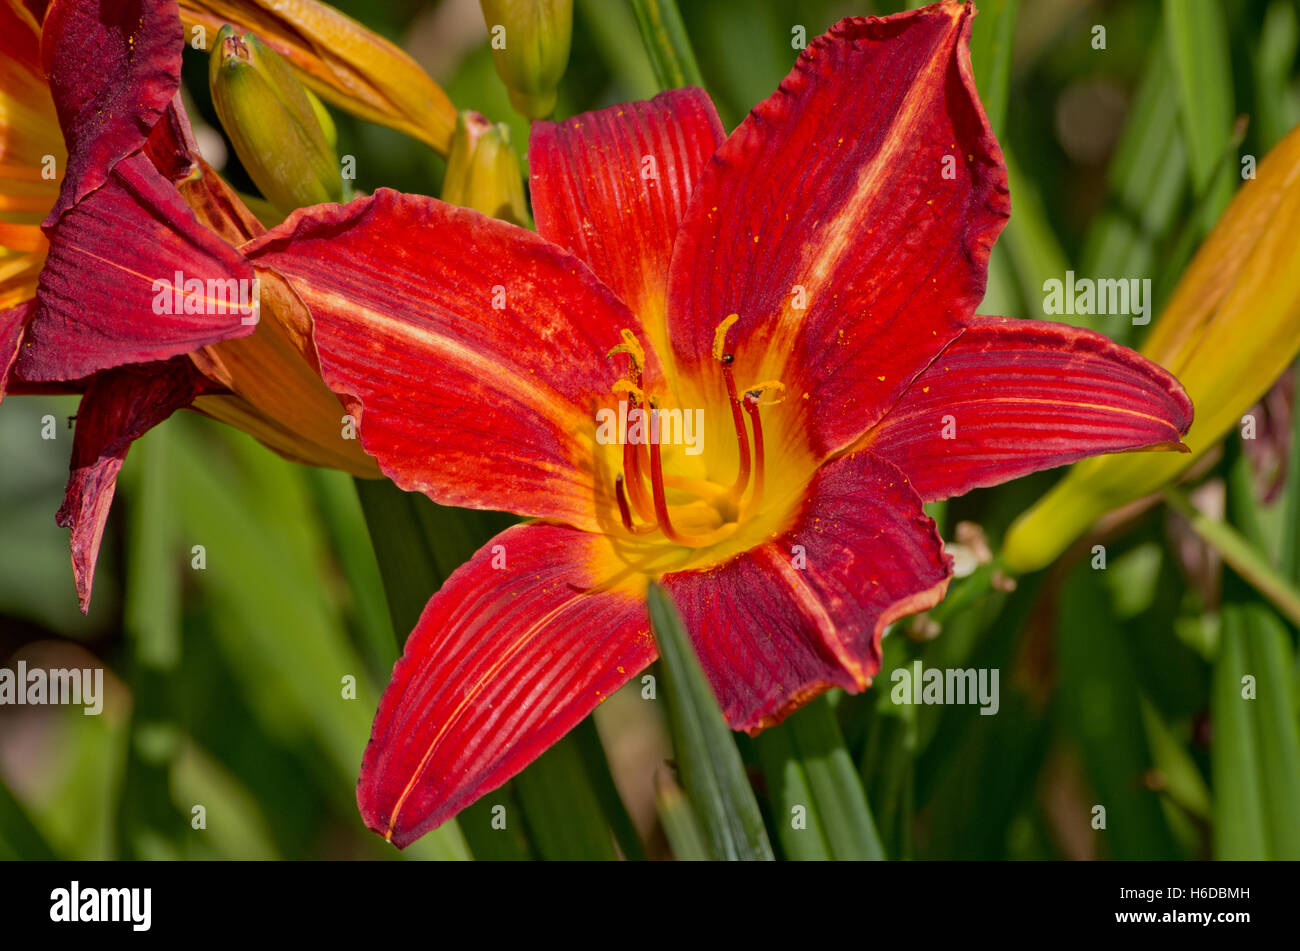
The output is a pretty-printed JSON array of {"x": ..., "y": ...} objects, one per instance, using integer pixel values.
[
  {"x": 834, "y": 195},
  {"x": 96, "y": 300},
  {"x": 1010, "y": 397},
  {"x": 119, "y": 407},
  {"x": 113, "y": 66},
  {"x": 509, "y": 656},
  {"x": 783, "y": 622},
  {"x": 472, "y": 352},
  {"x": 612, "y": 186},
  {"x": 12, "y": 324}
]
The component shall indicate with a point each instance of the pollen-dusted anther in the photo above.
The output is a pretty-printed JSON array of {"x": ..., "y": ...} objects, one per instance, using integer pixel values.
[
  {"x": 632, "y": 347},
  {"x": 726, "y": 358},
  {"x": 631, "y": 389},
  {"x": 720, "y": 339},
  {"x": 757, "y": 391}
]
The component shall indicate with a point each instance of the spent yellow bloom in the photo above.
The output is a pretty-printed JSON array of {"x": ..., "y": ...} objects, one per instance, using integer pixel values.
[{"x": 1231, "y": 328}]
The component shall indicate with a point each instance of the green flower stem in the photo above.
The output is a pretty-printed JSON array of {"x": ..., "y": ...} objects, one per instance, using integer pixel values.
[
  {"x": 666, "y": 41},
  {"x": 1237, "y": 552}
]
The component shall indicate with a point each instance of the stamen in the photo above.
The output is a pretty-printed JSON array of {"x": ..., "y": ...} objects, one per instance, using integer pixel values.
[
  {"x": 720, "y": 336},
  {"x": 625, "y": 513},
  {"x": 661, "y": 511},
  {"x": 636, "y": 353},
  {"x": 751, "y": 407},
  {"x": 660, "y": 500},
  {"x": 633, "y": 392},
  {"x": 758, "y": 389},
  {"x": 737, "y": 421},
  {"x": 636, "y": 486}
]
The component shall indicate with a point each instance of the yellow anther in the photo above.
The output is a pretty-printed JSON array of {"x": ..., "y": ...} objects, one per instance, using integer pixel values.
[
  {"x": 758, "y": 389},
  {"x": 624, "y": 386},
  {"x": 632, "y": 347},
  {"x": 720, "y": 336}
]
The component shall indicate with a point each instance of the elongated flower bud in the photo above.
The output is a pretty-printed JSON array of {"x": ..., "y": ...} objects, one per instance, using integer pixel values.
[
  {"x": 1230, "y": 329},
  {"x": 530, "y": 44},
  {"x": 483, "y": 171},
  {"x": 274, "y": 123},
  {"x": 346, "y": 64}
]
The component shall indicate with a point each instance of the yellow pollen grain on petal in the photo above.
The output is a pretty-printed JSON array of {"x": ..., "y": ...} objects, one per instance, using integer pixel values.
[{"x": 720, "y": 335}]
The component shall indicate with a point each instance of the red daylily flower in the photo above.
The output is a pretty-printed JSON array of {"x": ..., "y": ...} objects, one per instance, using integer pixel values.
[
  {"x": 809, "y": 283},
  {"x": 136, "y": 204}
]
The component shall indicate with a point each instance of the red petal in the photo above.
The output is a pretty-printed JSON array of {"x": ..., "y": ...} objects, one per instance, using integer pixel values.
[
  {"x": 95, "y": 304},
  {"x": 1018, "y": 396},
  {"x": 12, "y": 324},
  {"x": 113, "y": 66},
  {"x": 771, "y": 635},
  {"x": 612, "y": 186},
  {"x": 475, "y": 405},
  {"x": 174, "y": 152},
  {"x": 503, "y": 662},
  {"x": 119, "y": 407},
  {"x": 835, "y": 185}
]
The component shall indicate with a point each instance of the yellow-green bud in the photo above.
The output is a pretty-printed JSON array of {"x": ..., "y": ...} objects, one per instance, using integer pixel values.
[
  {"x": 483, "y": 171},
  {"x": 280, "y": 131},
  {"x": 530, "y": 44}
]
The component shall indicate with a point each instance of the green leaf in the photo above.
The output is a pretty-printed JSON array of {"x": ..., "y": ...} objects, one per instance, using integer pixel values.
[
  {"x": 344, "y": 522},
  {"x": 1291, "y": 500},
  {"x": 152, "y": 594},
  {"x": 818, "y": 773},
  {"x": 991, "y": 41},
  {"x": 614, "y": 30},
  {"x": 1101, "y": 710},
  {"x": 587, "y": 738},
  {"x": 419, "y": 544},
  {"x": 680, "y": 827},
  {"x": 666, "y": 41},
  {"x": 707, "y": 758},
  {"x": 1198, "y": 46},
  {"x": 564, "y": 815},
  {"x": 1237, "y": 552},
  {"x": 1277, "y": 106},
  {"x": 799, "y": 827},
  {"x": 19, "y": 837},
  {"x": 1146, "y": 183},
  {"x": 1034, "y": 251},
  {"x": 1239, "y": 830},
  {"x": 1271, "y": 661}
]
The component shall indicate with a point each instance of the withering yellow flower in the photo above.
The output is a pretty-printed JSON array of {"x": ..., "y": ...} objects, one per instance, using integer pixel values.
[{"x": 1230, "y": 329}]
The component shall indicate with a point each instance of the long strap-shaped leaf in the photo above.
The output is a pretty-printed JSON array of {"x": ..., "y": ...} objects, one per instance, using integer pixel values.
[{"x": 707, "y": 758}]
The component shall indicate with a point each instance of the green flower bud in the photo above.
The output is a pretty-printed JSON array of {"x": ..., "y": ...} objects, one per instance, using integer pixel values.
[
  {"x": 280, "y": 131},
  {"x": 530, "y": 43},
  {"x": 483, "y": 170}
]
